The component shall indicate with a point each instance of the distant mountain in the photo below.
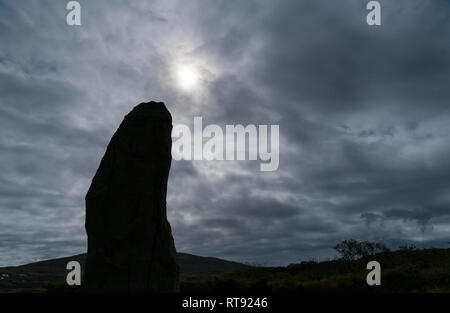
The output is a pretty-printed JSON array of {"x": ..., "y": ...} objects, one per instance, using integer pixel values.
[{"x": 35, "y": 276}]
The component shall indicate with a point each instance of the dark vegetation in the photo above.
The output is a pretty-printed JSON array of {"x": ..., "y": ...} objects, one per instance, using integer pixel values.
[{"x": 405, "y": 270}]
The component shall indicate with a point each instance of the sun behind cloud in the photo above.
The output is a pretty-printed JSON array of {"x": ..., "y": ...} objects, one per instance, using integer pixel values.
[{"x": 188, "y": 78}]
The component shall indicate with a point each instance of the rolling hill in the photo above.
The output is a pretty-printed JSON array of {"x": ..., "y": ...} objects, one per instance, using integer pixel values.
[{"x": 36, "y": 276}]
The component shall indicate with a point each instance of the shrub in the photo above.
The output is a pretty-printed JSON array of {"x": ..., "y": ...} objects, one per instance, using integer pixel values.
[{"x": 353, "y": 249}]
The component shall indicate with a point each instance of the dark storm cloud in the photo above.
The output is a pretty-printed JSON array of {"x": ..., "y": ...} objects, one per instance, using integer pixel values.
[
  {"x": 364, "y": 123},
  {"x": 339, "y": 65},
  {"x": 363, "y": 107}
]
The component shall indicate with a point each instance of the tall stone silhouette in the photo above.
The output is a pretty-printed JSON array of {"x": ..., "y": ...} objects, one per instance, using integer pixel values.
[{"x": 130, "y": 243}]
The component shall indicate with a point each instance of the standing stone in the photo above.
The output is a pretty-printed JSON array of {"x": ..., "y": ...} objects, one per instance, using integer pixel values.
[{"x": 130, "y": 243}]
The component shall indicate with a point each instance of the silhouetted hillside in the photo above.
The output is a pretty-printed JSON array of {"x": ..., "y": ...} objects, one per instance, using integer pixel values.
[
  {"x": 36, "y": 276},
  {"x": 425, "y": 270}
]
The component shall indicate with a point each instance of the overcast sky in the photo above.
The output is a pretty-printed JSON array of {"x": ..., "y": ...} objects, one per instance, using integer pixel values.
[{"x": 363, "y": 112}]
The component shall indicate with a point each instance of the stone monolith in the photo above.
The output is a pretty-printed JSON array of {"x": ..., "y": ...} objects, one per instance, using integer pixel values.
[{"x": 130, "y": 243}]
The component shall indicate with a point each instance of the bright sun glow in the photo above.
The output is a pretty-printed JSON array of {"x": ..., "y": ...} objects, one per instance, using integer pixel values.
[{"x": 188, "y": 78}]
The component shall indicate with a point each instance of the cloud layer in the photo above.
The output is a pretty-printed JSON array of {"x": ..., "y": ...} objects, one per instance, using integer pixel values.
[{"x": 363, "y": 115}]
